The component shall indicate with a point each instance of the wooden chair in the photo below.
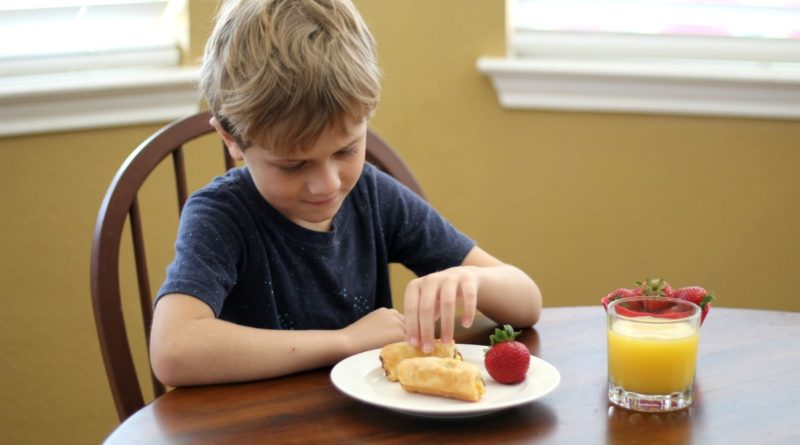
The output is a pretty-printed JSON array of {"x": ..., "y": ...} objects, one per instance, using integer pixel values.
[{"x": 120, "y": 203}]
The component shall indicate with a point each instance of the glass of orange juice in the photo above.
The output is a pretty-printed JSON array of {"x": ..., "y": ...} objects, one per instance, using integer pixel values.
[{"x": 652, "y": 352}]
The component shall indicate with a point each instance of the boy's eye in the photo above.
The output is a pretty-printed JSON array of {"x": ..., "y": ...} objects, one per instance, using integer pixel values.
[
  {"x": 346, "y": 151},
  {"x": 293, "y": 168},
  {"x": 296, "y": 167}
]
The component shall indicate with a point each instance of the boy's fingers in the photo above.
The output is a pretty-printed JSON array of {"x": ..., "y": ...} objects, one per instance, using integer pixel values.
[
  {"x": 469, "y": 293},
  {"x": 427, "y": 317},
  {"x": 410, "y": 309},
  {"x": 447, "y": 299}
]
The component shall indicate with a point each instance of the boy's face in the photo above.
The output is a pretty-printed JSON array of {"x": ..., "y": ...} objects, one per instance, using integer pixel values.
[{"x": 308, "y": 188}]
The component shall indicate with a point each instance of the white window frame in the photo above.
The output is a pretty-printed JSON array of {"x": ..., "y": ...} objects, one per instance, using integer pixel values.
[
  {"x": 648, "y": 74},
  {"x": 92, "y": 88}
]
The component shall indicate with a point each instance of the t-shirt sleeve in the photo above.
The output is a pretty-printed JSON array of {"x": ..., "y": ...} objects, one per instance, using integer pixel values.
[
  {"x": 206, "y": 252},
  {"x": 418, "y": 236}
]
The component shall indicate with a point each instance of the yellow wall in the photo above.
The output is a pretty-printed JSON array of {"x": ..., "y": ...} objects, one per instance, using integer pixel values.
[{"x": 583, "y": 202}]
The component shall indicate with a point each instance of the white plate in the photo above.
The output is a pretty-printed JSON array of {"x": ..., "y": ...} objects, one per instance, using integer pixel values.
[{"x": 362, "y": 378}]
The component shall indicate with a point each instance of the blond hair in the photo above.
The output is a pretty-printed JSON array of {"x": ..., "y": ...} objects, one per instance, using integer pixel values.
[{"x": 279, "y": 72}]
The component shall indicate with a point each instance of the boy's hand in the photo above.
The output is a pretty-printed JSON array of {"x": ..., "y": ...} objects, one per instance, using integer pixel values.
[
  {"x": 434, "y": 296},
  {"x": 375, "y": 330}
]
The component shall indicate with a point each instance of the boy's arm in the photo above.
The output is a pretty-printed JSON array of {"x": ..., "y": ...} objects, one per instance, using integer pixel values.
[
  {"x": 506, "y": 293},
  {"x": 500, "y": 291},
  {"x": 190, "y": 346}
]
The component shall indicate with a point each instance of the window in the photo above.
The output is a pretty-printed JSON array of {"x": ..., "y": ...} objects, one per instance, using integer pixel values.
[
  {"x": 67, "y": 64},
  {"x": 55, "y": 36},
  {"x": 709, "y": 57},
  {"x": 778, "y": 19}
]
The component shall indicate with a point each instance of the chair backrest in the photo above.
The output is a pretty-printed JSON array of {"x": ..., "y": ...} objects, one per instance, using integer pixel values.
[{"x": 120, "y": 204}]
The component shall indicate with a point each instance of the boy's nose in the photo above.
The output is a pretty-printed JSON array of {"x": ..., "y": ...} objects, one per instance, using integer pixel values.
[{"x": 325, "y": 182}]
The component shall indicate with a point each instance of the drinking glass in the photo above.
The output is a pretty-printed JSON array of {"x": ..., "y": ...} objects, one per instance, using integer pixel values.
[{"x": 652, "y": 352}]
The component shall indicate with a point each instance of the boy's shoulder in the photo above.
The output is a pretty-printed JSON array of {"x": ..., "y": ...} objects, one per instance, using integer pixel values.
[
  {"x": 388, "y": 186},
  {"x": 377, "y": 184},
  {"x": 233, "y": 180},
  {"x": 234, "y": 188},
  {"x": 375, "y": 177}
]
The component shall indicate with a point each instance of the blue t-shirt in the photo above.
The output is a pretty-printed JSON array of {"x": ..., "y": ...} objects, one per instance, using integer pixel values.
[{"x": 255, "y": 267}]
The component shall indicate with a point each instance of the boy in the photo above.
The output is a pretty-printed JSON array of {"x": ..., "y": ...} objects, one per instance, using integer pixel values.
[{"x": 282, "y": 265}]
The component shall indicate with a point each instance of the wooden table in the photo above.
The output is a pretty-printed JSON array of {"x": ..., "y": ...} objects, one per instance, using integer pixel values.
[{"x": 747, "y": 392}]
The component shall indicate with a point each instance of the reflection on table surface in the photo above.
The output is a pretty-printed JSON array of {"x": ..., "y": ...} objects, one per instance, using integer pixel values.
[{"x": 747, "y": 391}]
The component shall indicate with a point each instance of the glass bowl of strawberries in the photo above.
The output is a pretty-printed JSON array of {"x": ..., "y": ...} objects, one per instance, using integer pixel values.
[{"x": 657, "y": 287}]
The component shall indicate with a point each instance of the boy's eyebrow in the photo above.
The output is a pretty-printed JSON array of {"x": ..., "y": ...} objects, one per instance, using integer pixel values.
[
  {"x": 352, "y": 142},
  {"x": 347, "y": 145}
]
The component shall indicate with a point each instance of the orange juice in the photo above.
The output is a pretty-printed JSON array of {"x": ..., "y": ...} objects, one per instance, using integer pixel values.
[{"x": 651, "y": 355}]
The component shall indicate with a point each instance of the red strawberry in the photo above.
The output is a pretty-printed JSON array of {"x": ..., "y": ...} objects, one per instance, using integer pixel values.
[
  {"x": 695, "y": 294},
  {"x": 507, "y": 360},
  {"x": 654, "y": 287},
  {"x": 698, "y": 296},
  {"x": 649, "y": 287},
  {"x": 617, "y": 294}
]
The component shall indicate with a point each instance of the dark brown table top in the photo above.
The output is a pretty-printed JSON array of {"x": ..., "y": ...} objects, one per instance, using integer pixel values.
[{"x": 747, "y": 391}]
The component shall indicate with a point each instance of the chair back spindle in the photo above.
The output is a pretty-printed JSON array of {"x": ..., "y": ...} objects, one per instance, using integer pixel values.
[{"x": 180, "y": 177}]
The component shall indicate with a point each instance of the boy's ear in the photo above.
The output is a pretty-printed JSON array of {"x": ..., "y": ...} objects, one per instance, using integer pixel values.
[{"x": 233, "y": 148}]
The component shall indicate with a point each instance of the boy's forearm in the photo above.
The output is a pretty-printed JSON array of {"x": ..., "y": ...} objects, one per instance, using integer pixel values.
[
  {"x": 190, "y": 346},
  {"x": 508, "y": 295},
  {"x": 210, "y": 351}
]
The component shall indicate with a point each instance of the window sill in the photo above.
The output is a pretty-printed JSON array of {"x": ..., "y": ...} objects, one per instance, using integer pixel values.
[
  {"x": 94, "y": 99},
  {"x": 760, "y": 90}
]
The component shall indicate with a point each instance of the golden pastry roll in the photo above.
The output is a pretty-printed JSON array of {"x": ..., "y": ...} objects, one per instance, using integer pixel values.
[
  {"x": 443, "y": 377},
  {"x": 392, "y": 354}
]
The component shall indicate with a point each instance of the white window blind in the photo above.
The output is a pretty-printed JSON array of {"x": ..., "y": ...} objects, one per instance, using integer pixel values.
[
  {"x": 48, "y": 36},
  {"x": 69, "y": 64},
  {"x": 778, "y": 19},
  {"x": 714, "y": 57}
]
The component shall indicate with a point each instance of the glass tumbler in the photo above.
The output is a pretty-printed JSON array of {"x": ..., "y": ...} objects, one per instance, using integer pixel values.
[{"x": 652, "y": 352}]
